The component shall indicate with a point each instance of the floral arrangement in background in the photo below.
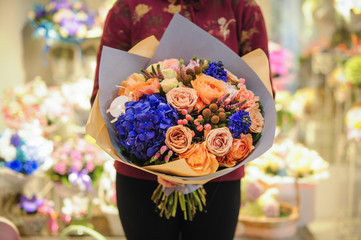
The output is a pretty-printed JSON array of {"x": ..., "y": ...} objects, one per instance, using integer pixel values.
[
  {"x": 79, "y": 99},
  {"x": 41, "y": 208},
  {"x": 106, "y": 190},
  {"x": 292, "y": 107},
  {"x": 286, "y": 159},
  {"x": 282, "y": 65},
  {"x": 34, "y": 102},
  {"x": 78, "y": 162},
  {"x": 75, "y": 210},
  {"x": 25, "y": 151},
  {"x": 353, "y": 122},
  {"x": 259, "y": 200},
  {"x": 352, "y": 70},
  {"x": 64, "y": 20}
]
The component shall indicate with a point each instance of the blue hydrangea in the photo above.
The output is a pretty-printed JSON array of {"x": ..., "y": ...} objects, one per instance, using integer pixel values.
[
  {"x": 239, "y": 122},
  {"x": 30, "y": 166},
  {"x": 216, "y": 70},
  {"x": 142, "y": 128}
]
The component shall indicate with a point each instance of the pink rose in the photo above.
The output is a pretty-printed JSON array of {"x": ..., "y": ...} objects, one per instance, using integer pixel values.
[
  {"x": 257, "y": 120},
  {"x": 182, "y": 98},
  {"x": 219, "y": 141}
]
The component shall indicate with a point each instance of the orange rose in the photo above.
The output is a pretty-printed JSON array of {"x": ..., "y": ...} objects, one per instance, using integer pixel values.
[
  {"x": 178, "y": 138},
  {"x": 136, "y": 89},
  {"x": 208, "y": 88},
  {"x": 257, "y": 120},
  {"x": 200, "y": 160},
  {"x": 240, "y": 149}
]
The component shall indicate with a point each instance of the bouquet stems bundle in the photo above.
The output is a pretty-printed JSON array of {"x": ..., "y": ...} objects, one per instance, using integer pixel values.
[{"x": 189, "y": 203}]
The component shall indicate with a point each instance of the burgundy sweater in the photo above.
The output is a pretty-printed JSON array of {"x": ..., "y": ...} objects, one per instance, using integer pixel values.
[{"x": 237, "y": 23}]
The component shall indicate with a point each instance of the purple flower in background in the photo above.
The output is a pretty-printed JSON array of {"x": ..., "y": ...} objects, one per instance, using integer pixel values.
[
  {"x": 39, "y": 10},
  {"x": 30, "y": 205},
  {"x": 90, "y": 21},
  {"x": 15, "y": 140},
  {"x": 60, "y": 4},
  {"x": 72, "y": 25}
]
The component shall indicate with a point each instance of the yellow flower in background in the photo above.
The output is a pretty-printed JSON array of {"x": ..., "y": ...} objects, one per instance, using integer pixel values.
[
  {"x": 353, "y": 117},
  {"x": 140, "y": 11}
]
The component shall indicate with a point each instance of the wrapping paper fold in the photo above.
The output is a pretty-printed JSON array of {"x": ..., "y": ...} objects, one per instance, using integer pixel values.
[{"x": 182, "y": 40}]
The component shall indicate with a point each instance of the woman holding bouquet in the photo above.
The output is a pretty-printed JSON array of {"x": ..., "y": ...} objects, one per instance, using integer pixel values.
[{"x": 238, "y": 24}]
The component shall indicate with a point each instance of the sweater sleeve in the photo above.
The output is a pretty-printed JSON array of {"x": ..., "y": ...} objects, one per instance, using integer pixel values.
[
  {"x": 116, "y": 34},
  {"x": 251, "y": 28}
]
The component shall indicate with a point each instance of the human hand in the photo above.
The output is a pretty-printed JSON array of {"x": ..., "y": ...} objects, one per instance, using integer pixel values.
[{"x": 167, "y": 183}]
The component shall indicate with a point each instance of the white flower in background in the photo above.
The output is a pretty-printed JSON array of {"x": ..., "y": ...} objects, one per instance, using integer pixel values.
[
  {"x": 79, "y": 98},
  {"x": 7, "y": 151}
]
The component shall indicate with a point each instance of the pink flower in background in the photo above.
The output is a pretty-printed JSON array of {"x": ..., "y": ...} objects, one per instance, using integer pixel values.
[
  {"x": 254, "y": 190},
  {"x": 60, "y": 168}
]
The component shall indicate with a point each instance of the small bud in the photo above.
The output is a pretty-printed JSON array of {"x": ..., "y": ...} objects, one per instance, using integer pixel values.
[
  {"x": 206, "y": 113},
  {"x": 200, "y": 117},
  {"x": 180, "y": 122},
  {"x": 213, "y": 107},
  {"x": 222, "y": 116},
  {"x": 215, "y": 119},
  {"x": 196, "y": 122},
  {"x": 188, "y": 117},
  {"x": 208, "y": 126},
  {"x": 199, "y": 128},
  {"x": 184, "y": 112},
  {"x": 185, "y": 121}
]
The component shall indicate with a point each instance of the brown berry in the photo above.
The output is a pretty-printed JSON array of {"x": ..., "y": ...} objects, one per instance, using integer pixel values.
[{"x": 214, "y": 119}]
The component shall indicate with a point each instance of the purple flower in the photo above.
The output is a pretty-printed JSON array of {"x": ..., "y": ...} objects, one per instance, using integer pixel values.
[
  {"x": 39, "y": 10},
  {"x": 72, "y": 25},
  {"x": 142, "y": 128},
  {"x": 60, "y": 4},
  {"x": 216, "y": 70},
  {"x": 15, "y": 140},
  {"x": 239, "y": 122},
  {"x": 254, "y": 190},
  {"x": 30, "y": 205}
]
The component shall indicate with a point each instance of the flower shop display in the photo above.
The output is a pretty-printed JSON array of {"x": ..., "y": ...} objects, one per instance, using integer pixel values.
[
  {"x": 185, "y": 121},
  {"x": 64, "y": 21},
  {"x": 287, "y": 159},
  {"x": 78, "y": 163},
  {"x": 34, "y": 102},
  {"x": 22, "y": 153},
  {"x": 262, "y": 214}
]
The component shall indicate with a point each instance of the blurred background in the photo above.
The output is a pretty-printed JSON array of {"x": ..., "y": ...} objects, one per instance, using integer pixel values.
[{"x": 311, "y": 171}]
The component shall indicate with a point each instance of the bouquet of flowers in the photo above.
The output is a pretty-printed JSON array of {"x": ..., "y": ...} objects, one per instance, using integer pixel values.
[
  {"x": 34, "y": 102},
  {"x": 64, "y": 20},
  {"x": 187, "y": 122},
  {"x": 78, "y": 163}
]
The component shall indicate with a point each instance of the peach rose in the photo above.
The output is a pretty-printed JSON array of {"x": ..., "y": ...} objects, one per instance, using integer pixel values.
[
  {"x": 200, "y": 160},
  {"x": 257, "y": 120},
  {"x": 182, "y": 98},
  {"x": 178, "y": 138},
  {"x": 240, "y": 149},
  {"x": 208, "y": 88},
  {"x": 219, "y": 141}
]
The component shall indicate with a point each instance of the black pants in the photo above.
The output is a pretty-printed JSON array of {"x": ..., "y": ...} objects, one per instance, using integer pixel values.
[{"x": 141, "y": 222}]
